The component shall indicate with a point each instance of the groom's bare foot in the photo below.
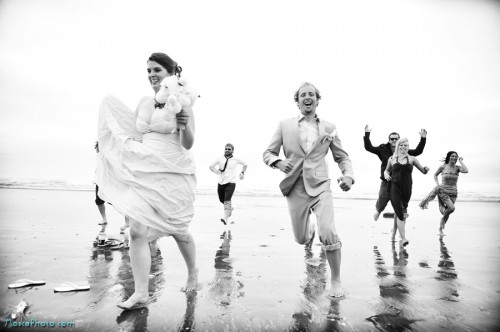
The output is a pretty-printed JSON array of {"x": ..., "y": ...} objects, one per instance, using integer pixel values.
[
  {"x": 135, "y": 301},
  {"x": 336, "y": 290},
  {"x": 192, "y": 281}
]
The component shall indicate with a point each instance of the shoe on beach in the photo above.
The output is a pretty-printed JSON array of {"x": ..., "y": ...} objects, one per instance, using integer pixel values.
[
  {"x": 72, "y": 287},
  {"x": 25, "y": 283}
]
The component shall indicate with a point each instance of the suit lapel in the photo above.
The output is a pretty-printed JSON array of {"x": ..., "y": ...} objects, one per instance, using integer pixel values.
[{"x": 296, "y": 134}]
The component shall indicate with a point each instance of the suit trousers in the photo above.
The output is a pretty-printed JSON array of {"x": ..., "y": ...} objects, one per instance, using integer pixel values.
[{"x": 300, "y": 206}]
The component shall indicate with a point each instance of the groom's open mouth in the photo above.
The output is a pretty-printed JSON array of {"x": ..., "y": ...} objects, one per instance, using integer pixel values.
[{"x": 308, "y": 103}]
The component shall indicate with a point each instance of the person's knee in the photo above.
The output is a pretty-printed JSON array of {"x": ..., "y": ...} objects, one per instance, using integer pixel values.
[
  {"x": 186, "y": 238},
  {"x": 451, "y": 209},
  {"x": 138, "y": 231},
  {"x": 227, "y": 205}
]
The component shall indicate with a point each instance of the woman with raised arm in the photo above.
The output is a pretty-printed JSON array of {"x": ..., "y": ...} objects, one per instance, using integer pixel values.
[
  {"x": 398, "y": 172},
  {"x": 146, "y": 171},
  {"x": 446, "y": 191}
]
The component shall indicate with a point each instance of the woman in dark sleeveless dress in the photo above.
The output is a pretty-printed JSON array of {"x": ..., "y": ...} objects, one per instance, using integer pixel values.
[
  {"x": 398, "y": 172},
  {"x": 447, "y": 190}
]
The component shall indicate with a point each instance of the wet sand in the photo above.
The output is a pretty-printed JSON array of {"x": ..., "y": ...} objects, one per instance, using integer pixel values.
[{"x": 253, "y": 276}]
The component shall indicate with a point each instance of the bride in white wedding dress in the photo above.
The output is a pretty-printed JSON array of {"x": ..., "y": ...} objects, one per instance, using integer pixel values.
[{"x": 153, "y": 181}]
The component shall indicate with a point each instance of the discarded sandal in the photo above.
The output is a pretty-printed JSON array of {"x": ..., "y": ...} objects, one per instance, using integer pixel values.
[
  {"x": 25, "y": 283},
  {"x": 72, "y": 287}
]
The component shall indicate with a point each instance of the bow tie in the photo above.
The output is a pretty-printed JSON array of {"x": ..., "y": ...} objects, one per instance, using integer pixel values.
[{"x": 159, "y": 105}]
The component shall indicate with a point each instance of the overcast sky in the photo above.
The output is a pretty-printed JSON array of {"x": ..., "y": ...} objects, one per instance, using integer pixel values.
[{"x": 397, "y": 65}]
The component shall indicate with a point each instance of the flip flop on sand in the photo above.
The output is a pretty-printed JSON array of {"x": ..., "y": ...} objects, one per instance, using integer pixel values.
[
  {"x": 25, "y": 283},
  {"x": 72, "y": 287}
]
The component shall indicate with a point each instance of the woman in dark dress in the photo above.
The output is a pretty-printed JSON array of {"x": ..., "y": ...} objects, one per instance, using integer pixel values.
[{"x": 398, "y": 172}]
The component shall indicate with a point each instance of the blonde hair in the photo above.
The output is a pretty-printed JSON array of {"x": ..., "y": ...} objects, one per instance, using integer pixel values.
[{"x": 398, "y": 143}]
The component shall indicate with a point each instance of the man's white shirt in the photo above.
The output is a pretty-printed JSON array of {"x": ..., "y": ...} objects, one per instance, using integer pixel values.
[{"x": 230, "y": 174}]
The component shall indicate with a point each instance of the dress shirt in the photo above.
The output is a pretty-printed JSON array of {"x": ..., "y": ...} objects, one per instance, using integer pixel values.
[
  {"x": 230, "y": 174},
  {"x": 308, "y": 131}
]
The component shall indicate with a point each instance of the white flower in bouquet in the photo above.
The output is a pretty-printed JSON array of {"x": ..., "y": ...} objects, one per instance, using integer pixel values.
[{"x": 176, "y": 95}]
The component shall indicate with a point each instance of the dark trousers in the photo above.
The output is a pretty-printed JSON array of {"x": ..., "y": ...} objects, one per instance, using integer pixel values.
[{"x": 225, "y": 191}]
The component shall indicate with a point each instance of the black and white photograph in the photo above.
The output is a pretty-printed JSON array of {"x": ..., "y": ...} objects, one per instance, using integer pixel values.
[{"x": 249, "y": 166}]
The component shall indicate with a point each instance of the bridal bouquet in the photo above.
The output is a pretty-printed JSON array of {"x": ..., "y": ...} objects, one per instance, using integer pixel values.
[{"x": 176, "y": 94}]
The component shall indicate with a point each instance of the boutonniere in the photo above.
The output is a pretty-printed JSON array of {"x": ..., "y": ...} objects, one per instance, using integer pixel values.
[{"x": 329, "y": 137}]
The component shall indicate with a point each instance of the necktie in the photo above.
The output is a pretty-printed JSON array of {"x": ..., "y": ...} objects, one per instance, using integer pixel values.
[{"x": 225, "y": 165}]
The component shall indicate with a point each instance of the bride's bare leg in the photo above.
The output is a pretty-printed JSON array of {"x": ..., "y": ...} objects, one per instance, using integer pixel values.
[
  {"x": 187, "y": 248},
  {"x": 140, "y": 259}
]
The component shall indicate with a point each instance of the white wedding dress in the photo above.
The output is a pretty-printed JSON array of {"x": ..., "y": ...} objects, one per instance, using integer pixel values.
[{"x": 152, "y": 182}]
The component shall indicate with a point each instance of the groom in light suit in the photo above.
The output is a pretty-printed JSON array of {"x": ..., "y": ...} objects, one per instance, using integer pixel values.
[{"x": 306, "y": 140}]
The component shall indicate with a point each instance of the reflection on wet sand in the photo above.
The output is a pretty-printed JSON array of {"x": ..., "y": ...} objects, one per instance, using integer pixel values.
[
  {"x": 136, "y": 320},
  {"x": 312, "y": 287},
  {"x": 188, "y": 323},
  {"x": 447, "y": 274},
  {"x": 314, "y": 300},
  {"x": 224, "y": 287},
  {"x": 394, "y": 292}
]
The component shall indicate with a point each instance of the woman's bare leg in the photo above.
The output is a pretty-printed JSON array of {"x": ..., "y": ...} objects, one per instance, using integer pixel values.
[
  {"x": 140, "y": 259},
  {"x": 187, "y": 248}
]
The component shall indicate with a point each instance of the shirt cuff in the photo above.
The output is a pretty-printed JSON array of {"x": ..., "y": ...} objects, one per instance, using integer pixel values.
[{"x": 273, "y": 165}]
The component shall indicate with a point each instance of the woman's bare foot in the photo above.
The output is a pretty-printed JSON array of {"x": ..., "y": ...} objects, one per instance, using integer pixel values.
[
  {"x": 134, "y": 302},
  {"x": 192, "y": 281},
  {"x": 336, "y": 290}
]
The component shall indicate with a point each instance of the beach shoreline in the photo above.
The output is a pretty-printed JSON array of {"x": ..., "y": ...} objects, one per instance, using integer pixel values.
[{"x": 253, "y": 276}]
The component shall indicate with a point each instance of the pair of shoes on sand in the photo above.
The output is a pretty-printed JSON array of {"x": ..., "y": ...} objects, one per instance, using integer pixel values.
[{"x": 64, "y": 287}]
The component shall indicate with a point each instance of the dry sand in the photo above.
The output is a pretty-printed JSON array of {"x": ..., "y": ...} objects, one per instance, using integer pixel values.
[{"x": 254, "y": 277}]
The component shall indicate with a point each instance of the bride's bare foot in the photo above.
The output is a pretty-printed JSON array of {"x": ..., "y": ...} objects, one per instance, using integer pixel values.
[
  {"x": 336, "y": 290},
  {"x": 192, "y": 281},
  {"x": 134, "y": 302}
]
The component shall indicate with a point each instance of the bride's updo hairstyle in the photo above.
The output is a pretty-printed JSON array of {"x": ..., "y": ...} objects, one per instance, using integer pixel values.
[{"x": 170, "y": 65}]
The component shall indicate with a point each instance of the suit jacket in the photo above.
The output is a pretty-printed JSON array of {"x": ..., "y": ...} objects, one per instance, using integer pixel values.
[{"x": 311, "y": 165}]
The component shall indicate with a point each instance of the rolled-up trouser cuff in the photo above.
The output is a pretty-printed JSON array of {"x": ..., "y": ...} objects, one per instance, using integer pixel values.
[{"x": 332, "y": 247}]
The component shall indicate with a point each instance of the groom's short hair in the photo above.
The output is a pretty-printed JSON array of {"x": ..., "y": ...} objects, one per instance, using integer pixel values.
[{"x": 296, "y": 96}]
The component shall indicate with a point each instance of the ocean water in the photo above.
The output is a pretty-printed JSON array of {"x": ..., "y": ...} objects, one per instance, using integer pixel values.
[{"x": 45, "y": 184}]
